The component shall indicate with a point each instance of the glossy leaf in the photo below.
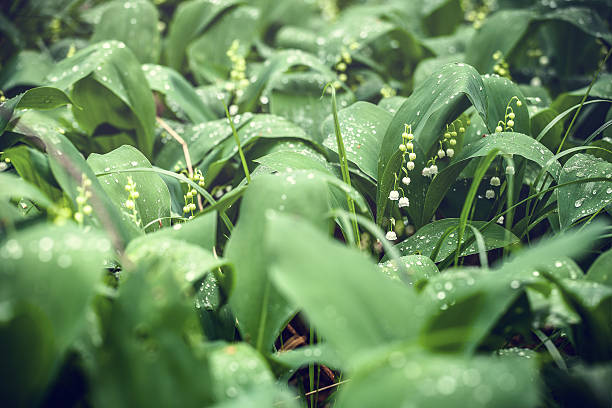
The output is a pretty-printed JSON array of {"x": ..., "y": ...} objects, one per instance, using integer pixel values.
[{"x": 583, "y": 199}]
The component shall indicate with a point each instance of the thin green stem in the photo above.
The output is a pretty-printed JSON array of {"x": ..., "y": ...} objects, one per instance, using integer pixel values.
[
  {"x": 346, "y": 177},
  {"x": 247, "y": 174}
]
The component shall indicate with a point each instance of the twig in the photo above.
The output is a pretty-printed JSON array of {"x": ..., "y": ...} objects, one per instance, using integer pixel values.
[{"x": 182, "y": 142}]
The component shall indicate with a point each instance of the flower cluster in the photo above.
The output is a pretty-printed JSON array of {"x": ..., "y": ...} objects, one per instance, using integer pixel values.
[
  {"x": 238, "y": 80},
  {"x": 387, "y": 91},
  {"x": 507, "y": 124},
  {"x": 83, "y": 208},
  {"x": 192, "y": 194},
  {"x": 407, "y": 149},
  {"x": 130, "y": 203},
  {"x": 476, "y": 11},
  {"x": 501, "y": 67},
  {"x": 342, "y": 65}
]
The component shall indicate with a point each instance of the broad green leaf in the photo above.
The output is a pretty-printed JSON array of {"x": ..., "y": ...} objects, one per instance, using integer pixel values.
[
  {"x": 110, "y": 87},
  {"x": 410, "y": 378},
  {"x": 200, "y": 139},
  {"x": 273, "y": 69},
  {"x": 207, "y": 56},
  {"x": 191, "y": 263},
  {"x": 437, "y": 101},
  {"x": 419, "y": 267},
  {"x": 180, "y": 95},
  {"x": 425, "y": 239},
  {"x": 489, "y": 38},
  {"x": 302, "y": 356},
  {"x": 69, "y": 169},
  {"x": 371, "y": 310},
  {"x": 28, "y": 68},
  {"x": 33, "y": 166},
  {"x": 42, "y": 98},
  {"x": 261, "y": 126},
  {"x": 201, "y": 231},
  {"x": 601, "y": 270},
  {"x": 260, "y": 309},
  {"x": 154, "y": 200},
  {"x": 237, "y": 369},
  {"x": 468, "y": 304},
  {"x": 48, "y": 277},
  {"x": 150, "y": 327},
  {"x": 500, "y": 93},
  {"x": 189, "y": 21},
  {"x": 134, "y": 23},
  {"x": 582, "y": 199},
  {"x": 14, "y": 187},
  {"x": 506, "y": 143},
  {"x": 362, "y": 126}
]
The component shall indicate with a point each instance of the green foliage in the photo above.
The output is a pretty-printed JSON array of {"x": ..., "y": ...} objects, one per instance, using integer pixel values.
[{"x": 331, "y": 203}]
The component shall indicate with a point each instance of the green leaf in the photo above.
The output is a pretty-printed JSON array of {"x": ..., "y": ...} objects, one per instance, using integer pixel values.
[
  {"x": 489, "y": 38},
  {"x": 419, "y": 268},
  {"x": 48, "y": 277},
  {"x": 27, "y": 68},
  {"x": 191, "y": 263},
  {"x": 260, "y": 309},
  {"x": 154, "y": 200},
  {"x": 414, "y": 378},
  {"x": 425, "y": 239},
  {"x": 14, "y": 187},
  {"x": 273, "y": 69},
  {"x": 179, "y": 93},
  {"x": 437, "y": 101},
  {"x": 200, "y": 231},
  {"x": 500, "y": 93},
  {"x": 134, "y": 23},
  {"x": 190, "y": 20},
  {"x": 238, "y": 369},
  {"x": 110, "y": 87},
  {"x": 312, "y": 275},
  {"x": 261, "y": 126},
  {"x": 207, "y": 55},
  {"x": 601, "y": 270},
  {"x": 69, "y": 167},
  {"x": 581, "y": 199},
  {"x": 362, "y": 126},
  {"x": 150, "y": 327}
]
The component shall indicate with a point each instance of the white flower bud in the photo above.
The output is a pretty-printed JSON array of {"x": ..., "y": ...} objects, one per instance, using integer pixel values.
[
  {"x": 403, "y": 202},
  {"x": 433, "y": 170},
  {"x": 394, "y": 195},
  {"x": 500, "y": 220},
  {"x": 450, "y": 152},
  {"x": 406, "y": 180},
  {"x": 511, "y": 115},
  {"x": 129, "y": 204},
  {"x": 412, "y": 156},
  {"x": 409, "y": 146},
  {"x": 78, "y": 217},
  {"x": 489, "y": 194},
  {"x": 510, "y": 123},
  {"x": 425, "y": 172},
  {"x": 499, "y": 129},
  {"x": 441, "y": 154},
  {"x": 391, "y": 236},
  {"x": 87, "y": 210},
  {"x": 495, "y": 181},
  {"x": 452, "y": 142},
  {"x": 81, "y": 200},
  {"x": 410, "y": 165},
  {"x": 510, "y": 170},
  {"x": 402, "y": 147}
]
